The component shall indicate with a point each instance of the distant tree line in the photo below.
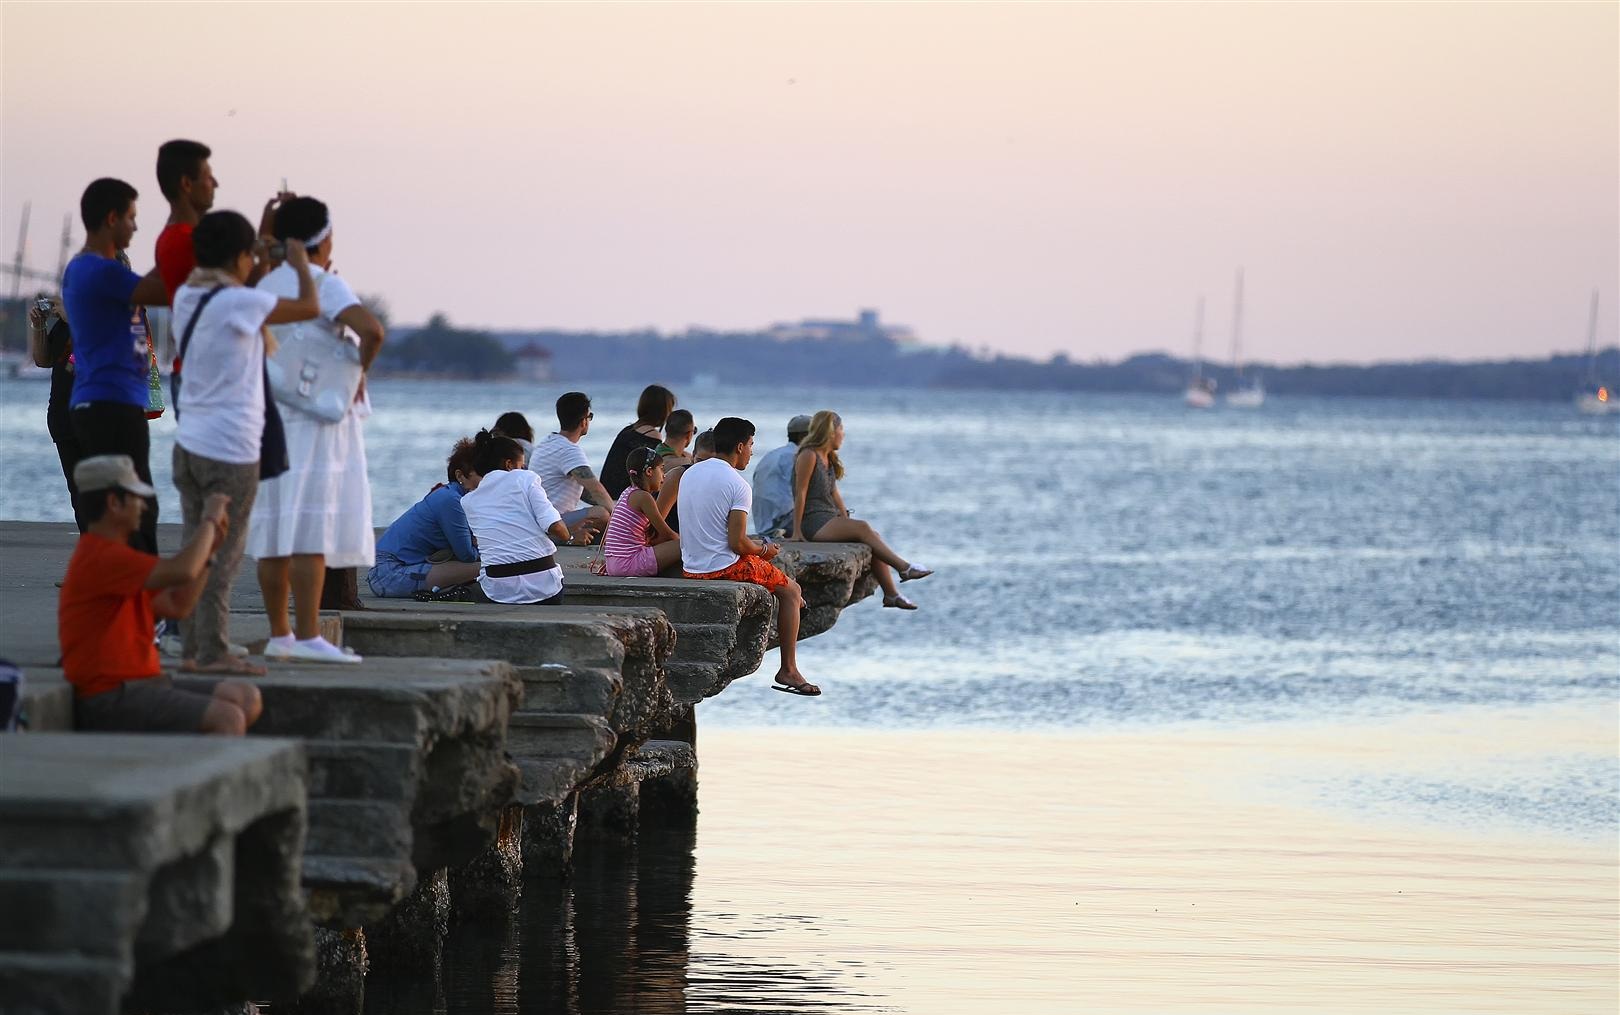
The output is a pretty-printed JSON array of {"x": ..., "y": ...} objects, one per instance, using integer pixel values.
[
  {"x": 439, "y": 350},
  {"x": 877, "y": 361}
]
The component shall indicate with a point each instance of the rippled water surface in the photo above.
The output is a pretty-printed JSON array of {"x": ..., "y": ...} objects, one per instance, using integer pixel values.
[{"x": 1339, "y": 674}]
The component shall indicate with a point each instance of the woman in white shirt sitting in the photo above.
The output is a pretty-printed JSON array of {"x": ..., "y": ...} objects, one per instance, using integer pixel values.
[{"x": 516, "y": 527}]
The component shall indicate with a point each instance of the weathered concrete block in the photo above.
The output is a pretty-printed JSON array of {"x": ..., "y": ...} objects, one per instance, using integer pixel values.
[
  {"x": 722, "y": 627},
  {"x": 593, "y": 686},
  {"x": 491, "y": 884},
  {"x": 410, "y": 939},
  {"x": 831, "y": 576},
  {"x": 726, "y": 627},
  {"x": 410, "y": 771},
  {"x": 554, "y": 687},
  {"x": 609, "y": 811},
  {"x": 147, "y": 853},
  {"x": 47, "y": 705},
  {"x": 548, "y": 838}
]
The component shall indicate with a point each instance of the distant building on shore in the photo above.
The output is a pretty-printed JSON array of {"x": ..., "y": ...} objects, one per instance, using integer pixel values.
[
  {"x": 866, "y": 325},
  {"x": 533, "y": 363}
]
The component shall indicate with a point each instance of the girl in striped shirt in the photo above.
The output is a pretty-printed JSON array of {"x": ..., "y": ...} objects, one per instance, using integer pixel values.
[{"x": 638, "y": 542}]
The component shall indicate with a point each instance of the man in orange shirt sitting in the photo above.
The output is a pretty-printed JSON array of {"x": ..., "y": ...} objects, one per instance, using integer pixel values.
[{"x": 109, "y": 599}]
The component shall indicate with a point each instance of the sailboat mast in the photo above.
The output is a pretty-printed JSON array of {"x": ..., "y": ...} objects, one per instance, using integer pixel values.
[
  {"x": 1198, "y": 341},
  {"x": 1591, "y": 339},
  {"x": 1237, "y": 326}
]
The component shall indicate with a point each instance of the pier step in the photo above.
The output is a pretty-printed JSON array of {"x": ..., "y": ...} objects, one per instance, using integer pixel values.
[
  {"x": 55, "y": 982},
  {"x": 657, "y": 759},
  {"x": 47, "y": 701},
  {"x": 554, "y": 687},
  {"x": 119, "y": 873},
  {"x": 407, "y": 770}
]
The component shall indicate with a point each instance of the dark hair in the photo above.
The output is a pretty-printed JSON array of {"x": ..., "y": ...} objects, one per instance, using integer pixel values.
[
  {"x": 638, "y": 462},
  {"x": 492, "y": 451},
  {"x": 104, "y": 197},
  {"x": 514, "y": 424},
  {"x": 704, "y": 442},
  {"x": 178, "y": 160},
  {"x": 572, "y": 408},
  {"x": 93, "y": 503},
  {"x": 300, "y": 218},
  {"x": 731, "y": 432},
  {"x": 679, "y": 422},
  {"x": 655, "y": 405},
  {"x": 219, "y": 237},
  {"x": 461, "y": 459}
]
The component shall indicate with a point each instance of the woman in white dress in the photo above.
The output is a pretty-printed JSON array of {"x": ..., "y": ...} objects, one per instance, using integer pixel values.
[{"x": 318, "y": 514}]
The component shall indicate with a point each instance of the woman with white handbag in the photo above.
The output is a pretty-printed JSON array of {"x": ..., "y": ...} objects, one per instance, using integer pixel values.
[{"x": 318, "y": 514}]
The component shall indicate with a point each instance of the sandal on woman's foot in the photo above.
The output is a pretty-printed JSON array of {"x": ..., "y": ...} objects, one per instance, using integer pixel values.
[
  {"x": 805, "y": 688},
  {"x": 225, "y": 666},
  {"x": 914, "y": 572},
  {"x": 899, "y": 602}
]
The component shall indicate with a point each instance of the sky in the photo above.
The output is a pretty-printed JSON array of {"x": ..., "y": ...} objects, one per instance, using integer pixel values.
[{"x": 1398, "y": 181}]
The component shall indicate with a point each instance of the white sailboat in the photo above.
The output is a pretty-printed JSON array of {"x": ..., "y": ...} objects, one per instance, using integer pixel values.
[
  {"x": 1594, "y": 398},
  {"x": 1251, "y": 395},
  {"x": 1200, "y": 392}
]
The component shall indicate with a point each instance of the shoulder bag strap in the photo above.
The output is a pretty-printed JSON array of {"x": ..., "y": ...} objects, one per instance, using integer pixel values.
[
  {"x": 185, "y": 343},
  {"x": 191, "y": 325}
]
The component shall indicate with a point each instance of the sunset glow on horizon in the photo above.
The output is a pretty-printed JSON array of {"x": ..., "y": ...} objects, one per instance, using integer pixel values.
[{"x": 1397, "y": 181}]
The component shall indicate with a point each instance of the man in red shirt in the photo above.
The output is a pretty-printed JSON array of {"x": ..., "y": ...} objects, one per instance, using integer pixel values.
[
  {"x": 188, "y": 184},
  {"x": 109, "y": 598}
]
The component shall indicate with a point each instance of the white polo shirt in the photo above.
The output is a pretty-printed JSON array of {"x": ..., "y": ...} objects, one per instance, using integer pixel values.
[{"x": 509, "y": 515}]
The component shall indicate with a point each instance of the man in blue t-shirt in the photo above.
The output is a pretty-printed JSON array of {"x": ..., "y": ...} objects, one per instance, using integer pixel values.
[{"x": 111, "y": 360}]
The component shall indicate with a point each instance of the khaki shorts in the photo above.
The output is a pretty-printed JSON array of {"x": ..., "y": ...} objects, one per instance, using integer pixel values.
[{"x": 152, "y": 705}]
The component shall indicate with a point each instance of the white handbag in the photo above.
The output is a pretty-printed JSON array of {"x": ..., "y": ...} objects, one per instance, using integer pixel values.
[{"x": 315, "y": 371}]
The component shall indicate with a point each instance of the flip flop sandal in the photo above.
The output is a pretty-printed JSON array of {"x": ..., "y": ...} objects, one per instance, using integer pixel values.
[
  {"x": 807, "y": 690},
  {"x": 914, "y": 572},
  {"x": 899, "y": 603}
]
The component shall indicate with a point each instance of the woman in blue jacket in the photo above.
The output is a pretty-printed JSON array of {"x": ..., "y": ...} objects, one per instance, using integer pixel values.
[{"x": 430, "y": 545}]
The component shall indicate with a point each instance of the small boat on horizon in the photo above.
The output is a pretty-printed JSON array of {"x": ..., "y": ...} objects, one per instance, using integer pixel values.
[
  {"x": 1200, "y": 393},
  {"x": 1253, "y": 394},
  {"x": 1594, "y": 398}
]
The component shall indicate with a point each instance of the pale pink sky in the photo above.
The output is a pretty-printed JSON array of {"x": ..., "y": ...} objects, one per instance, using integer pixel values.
[{"x": 1398, "y": 180}]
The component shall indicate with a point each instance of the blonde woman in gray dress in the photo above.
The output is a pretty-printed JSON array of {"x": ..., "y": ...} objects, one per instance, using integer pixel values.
[{"x": 819, "y": 513}]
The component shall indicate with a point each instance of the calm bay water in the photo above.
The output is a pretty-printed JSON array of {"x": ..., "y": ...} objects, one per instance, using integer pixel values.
[{"x": 1132, "y": 598}]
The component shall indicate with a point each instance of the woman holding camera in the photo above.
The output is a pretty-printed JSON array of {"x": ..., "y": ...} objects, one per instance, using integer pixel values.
[{"x": 318, "y": 514}]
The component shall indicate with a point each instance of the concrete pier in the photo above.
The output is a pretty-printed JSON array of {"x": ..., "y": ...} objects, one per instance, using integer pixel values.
[
  {"x": 159, "y": 871},
  {"x": 460, "y": 757}
]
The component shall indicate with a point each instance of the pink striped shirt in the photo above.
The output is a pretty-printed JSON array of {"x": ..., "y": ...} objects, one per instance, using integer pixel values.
[{"x": 627, "y": 529}]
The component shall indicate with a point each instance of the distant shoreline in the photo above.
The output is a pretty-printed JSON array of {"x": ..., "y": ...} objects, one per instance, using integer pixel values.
[{"x": 876, "y": 359}]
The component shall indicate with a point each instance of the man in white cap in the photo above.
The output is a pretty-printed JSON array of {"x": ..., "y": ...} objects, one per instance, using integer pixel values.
[
  {"x": 773, "y": 481},
  {"x": 111, "y": 595}
]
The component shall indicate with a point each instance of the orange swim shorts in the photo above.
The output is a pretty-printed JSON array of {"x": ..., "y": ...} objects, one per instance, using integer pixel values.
[{"x": 753, "y": 569}]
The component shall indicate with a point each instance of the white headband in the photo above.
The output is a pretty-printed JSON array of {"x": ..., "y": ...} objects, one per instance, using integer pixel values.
[{"x": 322, "y": 234}]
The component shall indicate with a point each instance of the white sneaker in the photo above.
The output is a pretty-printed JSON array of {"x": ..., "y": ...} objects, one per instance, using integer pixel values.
[
  {"x": 278, "y": 648},
  {"x": 239, "y": 651},
  {"x": 319, "y": 650}
]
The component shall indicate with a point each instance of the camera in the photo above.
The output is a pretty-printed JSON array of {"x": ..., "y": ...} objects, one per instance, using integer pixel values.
[
  {"x": 45, "y": 305},
  {"x": 276, "y": 250}
]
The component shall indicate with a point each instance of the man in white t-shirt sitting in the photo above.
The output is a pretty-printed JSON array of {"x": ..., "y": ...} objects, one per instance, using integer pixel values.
[
  {"x": 515, "y": 526},
  {"x": 564, "y": 473},
  {"x": 713, "y": 511}
]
